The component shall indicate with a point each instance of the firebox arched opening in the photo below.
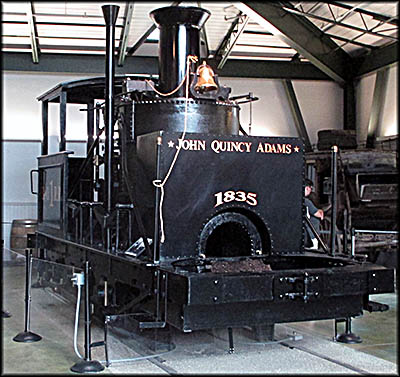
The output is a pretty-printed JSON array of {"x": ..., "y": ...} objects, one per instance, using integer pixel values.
[{"x": 232, "y": 234}]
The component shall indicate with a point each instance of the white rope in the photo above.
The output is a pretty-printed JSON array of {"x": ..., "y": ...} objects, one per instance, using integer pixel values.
[
  {"x": 166, "y": 94},
  {"x": 160, "y": 183},
  {"x": 78, "y": 302}
]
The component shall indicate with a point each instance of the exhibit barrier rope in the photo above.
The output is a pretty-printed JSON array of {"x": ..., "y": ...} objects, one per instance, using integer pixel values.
[{"x": 158, "y": 182}]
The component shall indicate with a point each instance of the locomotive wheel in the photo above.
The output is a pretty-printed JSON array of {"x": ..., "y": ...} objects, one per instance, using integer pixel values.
[{"x": 229, "y": 234}]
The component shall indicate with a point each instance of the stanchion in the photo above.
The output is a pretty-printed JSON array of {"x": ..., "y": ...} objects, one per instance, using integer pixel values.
[
  {"x": 347, "y": 337},
  {"x": 231, "y": 346},
  {"x": 27, "y": 336},
  {"x": 87, "y": 365},
  {"x": 333, "y": 197}
]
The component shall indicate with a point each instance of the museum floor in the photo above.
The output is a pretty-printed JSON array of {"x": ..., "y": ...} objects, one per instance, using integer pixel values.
[{"x": 310, "y": 350}]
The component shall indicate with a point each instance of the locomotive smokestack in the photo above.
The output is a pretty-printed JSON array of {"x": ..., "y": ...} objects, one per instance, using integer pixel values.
[
  {"x": 179, "y": 37},
  {"x": 110, "y": 13}
]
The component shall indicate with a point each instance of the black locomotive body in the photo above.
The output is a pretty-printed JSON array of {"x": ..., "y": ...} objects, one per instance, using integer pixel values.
[{"x": 182, "y": 219}]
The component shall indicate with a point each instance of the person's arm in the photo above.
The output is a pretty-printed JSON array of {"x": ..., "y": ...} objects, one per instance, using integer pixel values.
[
  {"x": 314, "y": 211},
  {"x": 319, "y": 214}
]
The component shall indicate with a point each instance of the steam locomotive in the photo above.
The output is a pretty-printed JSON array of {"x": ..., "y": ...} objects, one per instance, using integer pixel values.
[{"x": 184, "y": 218}]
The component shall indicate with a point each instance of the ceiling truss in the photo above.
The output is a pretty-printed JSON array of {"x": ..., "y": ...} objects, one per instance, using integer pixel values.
[
  {"x": 33, "y": 32},
  {"x": 125, "y": 32},
  {"x": 339, "y": 40},
  {"x": 230, "y": 39}
]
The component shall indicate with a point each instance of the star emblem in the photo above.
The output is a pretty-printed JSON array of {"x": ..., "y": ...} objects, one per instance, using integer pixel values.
[
  {"x": 296, "y": 148},
  {"x": 170, "y": 144}
]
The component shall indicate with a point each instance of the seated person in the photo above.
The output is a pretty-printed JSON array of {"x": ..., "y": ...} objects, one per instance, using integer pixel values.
[{"x": 314, "y": 214}]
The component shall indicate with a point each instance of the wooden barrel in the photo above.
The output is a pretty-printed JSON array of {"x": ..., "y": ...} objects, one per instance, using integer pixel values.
[{"x": 19, "y": 234}]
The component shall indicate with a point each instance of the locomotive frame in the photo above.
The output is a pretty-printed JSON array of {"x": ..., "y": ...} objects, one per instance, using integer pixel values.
[{"x": 157, "y": 250}]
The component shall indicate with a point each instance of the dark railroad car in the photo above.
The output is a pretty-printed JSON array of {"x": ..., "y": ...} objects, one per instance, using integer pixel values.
[{"x": 182, "y": 217}]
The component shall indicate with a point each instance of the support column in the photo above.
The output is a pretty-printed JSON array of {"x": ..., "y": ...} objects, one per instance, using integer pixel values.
[
  {"x": 45, "y": 128},
  {"x": 90, "y": 125},
  {"x": 63, "y": 118},
  {"x": 296, "y": 113},
  {"x": 349, "y": 106},
  {"x": 378, "y": 102}
]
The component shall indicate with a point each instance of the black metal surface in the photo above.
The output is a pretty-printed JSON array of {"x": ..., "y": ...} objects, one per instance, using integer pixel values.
[
  {"x": 333, "y": 199},
  {"x": 179, "y": 37},
  {"x": 110, "y": 16},
  {"x": 53, "y": 188},
  {"x": 276, "y": 296},
  {"x": 45, "y": 128},
  {"x": 90, "y": 125},
  {"x": 228, "y": 234},
  {"x": 63, "y": 120},
  {"x": 87, "y": 366},
  {"x": 203, "y": 116},
  {"x": 247, "y": 191},
  {"x": 347, "y": 337},
  {"x": 27, "y": 336},
  {"x": 204, "y": 174}
]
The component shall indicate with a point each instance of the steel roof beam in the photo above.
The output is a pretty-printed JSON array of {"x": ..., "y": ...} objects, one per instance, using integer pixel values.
[
  {"x": 341, "y": 24},
  {"x": 378, "y": 101},
  {"x": 353, "y": 42},
  {"x": 33, "y": 32},
  {"x": 230, "y": 39},
  {"x": 349, "y": 106},
  {"x": 73, "y": 63},
  {"x": 146, "y": 34},
  {"x": 203, "y": 36},
  {"x": 376, "y": 59},
  {"x": 376, "y": 16},
  {"x": 94, "y": 64},
  {"x": 141, "y": 40},
  {"x": 125, "y": 32},
  {"x": 54, "y": 23},
  {"x": 338, "y": 19},
  {"x": 303, "y": 36},
  {"x": 225, "y": 40},
  {"x": 271, "y": 70},
  {"x": 296, "y": 113}
]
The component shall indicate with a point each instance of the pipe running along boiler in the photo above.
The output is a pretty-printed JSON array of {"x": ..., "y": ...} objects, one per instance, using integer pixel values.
[{"x": 181, "y": 215}]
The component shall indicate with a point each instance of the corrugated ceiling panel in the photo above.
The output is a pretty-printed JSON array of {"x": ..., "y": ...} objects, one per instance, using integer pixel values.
[
  {"x": 55, "y": 25},
  {"x": 65, "y": 31}
]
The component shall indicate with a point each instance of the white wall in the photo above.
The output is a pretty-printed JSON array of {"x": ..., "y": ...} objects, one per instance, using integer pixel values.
[
  {"x": 22, "y": 118},
  {"x": 364, "y": 96},
  {"x": 390, "y": 108},
  {"x": 19, "y": 157},
  {"x": 320, "y": 102},
  {"x": 271, "y": 113},
  {"x": 21, "y": 135}
]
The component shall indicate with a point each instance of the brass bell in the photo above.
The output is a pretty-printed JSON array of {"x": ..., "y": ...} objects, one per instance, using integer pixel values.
[{"x": 206, "y": 82}]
